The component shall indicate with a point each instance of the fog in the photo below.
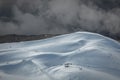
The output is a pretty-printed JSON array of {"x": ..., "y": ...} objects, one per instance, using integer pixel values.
[{"x": 34, "y": 17}]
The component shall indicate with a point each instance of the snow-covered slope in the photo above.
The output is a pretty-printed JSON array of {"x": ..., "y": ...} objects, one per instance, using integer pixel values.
[{"x": 76, "y": 56}]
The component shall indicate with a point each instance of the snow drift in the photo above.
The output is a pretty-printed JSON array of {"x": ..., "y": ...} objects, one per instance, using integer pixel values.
[{"x": 76, "y": 56}]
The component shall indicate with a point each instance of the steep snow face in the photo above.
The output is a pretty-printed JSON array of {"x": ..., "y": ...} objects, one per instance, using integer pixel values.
[{"x": 76, "y": 56}]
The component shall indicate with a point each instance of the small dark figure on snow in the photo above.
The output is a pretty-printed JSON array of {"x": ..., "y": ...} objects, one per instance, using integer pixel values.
[{"x": 67, "y": 64}]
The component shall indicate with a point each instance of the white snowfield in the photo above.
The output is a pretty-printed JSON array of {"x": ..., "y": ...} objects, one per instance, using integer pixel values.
[{"x": 76, "y": 56}]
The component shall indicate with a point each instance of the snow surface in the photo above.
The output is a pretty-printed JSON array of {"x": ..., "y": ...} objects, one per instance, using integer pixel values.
[{"x": 93, "y": 57}]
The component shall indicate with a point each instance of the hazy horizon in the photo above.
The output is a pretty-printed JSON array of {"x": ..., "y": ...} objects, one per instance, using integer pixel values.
[{"x": 35, "y": 17}]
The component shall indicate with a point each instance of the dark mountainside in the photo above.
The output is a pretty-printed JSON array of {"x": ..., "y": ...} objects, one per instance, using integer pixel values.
[{"x": 18, "y": 38}]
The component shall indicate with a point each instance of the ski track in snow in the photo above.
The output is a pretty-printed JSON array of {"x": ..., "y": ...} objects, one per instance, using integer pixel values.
[{"x": 93, "y": 57}]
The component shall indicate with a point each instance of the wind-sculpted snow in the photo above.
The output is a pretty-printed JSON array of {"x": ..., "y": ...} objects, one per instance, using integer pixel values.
[{"x": 76, "y": 56}]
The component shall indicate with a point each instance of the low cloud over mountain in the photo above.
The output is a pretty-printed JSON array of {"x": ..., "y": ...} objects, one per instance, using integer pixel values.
[{"x": 34, "y": 17}]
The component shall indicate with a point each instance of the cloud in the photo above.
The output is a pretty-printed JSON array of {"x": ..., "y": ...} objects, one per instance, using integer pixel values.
[{"x": 34, "y": 17}]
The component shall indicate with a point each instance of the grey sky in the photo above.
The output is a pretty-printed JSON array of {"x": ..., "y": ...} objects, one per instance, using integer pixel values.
[{"x": 34, "y": 17}]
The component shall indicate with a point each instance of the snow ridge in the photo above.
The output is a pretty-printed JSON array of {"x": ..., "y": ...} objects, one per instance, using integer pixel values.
[{"x": 75, "y": 56}]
